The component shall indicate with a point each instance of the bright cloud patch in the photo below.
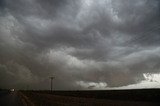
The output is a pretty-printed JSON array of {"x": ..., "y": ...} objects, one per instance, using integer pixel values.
[{"x": 92, "y": 85}]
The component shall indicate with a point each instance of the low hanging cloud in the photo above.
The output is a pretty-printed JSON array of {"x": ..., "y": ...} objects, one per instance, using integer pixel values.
[{"x": 85, "y": 44}]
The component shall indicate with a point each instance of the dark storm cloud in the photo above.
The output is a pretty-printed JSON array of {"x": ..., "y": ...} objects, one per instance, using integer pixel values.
[
  {"x": 79, "y": 42},
  {"x": 2, "y": 4},
  {"x": 145, "y": 15}
]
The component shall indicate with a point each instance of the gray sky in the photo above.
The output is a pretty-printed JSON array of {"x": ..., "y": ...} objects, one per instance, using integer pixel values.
[{"x": 85, "y": 44}]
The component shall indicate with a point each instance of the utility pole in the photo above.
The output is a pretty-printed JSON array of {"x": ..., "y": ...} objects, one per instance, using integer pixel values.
[{"x": 51, "y": 82}]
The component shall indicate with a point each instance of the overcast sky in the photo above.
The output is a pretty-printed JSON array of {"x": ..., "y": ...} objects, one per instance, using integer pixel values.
[{"x": 84, "y": 44}]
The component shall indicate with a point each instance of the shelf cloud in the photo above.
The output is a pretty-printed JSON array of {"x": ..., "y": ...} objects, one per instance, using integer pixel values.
[{"x": 85, "y": 44}]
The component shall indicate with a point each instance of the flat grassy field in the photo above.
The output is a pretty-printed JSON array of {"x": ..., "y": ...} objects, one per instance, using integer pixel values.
[{"x": 140, "y": 97}]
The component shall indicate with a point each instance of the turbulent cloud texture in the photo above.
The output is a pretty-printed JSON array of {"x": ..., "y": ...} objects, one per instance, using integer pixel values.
[{"x": 85, "y": 44}]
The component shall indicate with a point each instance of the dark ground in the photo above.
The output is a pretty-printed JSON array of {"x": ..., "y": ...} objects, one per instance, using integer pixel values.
[
  {"x": 152, "y": 95},
  {"x": 42, "y": 99},
  {"x": 143, "y": 97},
  {"x": 8, "y": 98}
]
